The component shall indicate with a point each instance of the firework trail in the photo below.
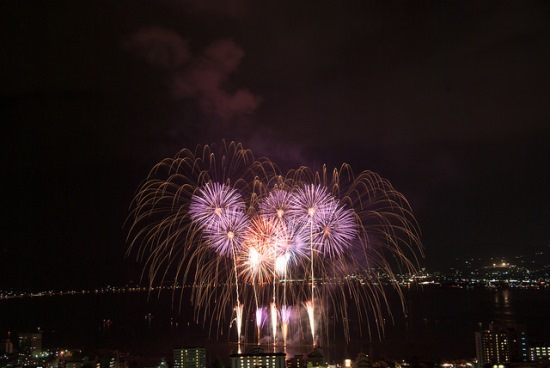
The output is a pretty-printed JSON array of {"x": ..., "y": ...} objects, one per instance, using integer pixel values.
[
  {"x": 248, "y": 238},
  {"x": 285, "y": 320},
  {"x": 310, "y": 308},
  {"x": 273, "y": 315},
  {"x": 259, "y": 322},
  {"x": 239, "y": 314}
]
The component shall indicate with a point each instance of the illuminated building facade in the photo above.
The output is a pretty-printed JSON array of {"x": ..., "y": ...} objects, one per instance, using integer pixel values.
[
  {"x": 502, "y": 344},
  {"x": 30, "y": 343},
  {"x": 190, "y": 358},
  {"x": 258, "y": 359},
  {"x": 540, "y": 353},
  {"x": 520, "y": 348}
]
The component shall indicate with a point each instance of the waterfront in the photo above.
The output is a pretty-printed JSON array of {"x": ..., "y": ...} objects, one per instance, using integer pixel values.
[{"x": 440, "y": 323}]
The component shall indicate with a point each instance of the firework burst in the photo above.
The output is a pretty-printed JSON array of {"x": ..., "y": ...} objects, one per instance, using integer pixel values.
[
  {"x": 276, "y": 205},
  {"x": 335, "y": 230},
  {"x": 309, "y": 203},
  {"x": 227, "y": 235},
  {"x": 251, "y": 239},
  {"x": 213, "y": 203}
]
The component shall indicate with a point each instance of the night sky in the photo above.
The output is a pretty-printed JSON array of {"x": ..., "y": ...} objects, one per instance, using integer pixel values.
[{"x": 449, "y": 100}]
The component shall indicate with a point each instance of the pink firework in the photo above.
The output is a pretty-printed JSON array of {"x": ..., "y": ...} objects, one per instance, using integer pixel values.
[
  {"x": 212, "y": 202},
  {"x": 256, "y": 260},
  {"x": 256, "y": 265}
]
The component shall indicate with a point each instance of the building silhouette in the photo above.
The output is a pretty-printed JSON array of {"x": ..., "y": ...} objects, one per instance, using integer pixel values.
[
  {"x": 316, "y": 358},
  {"x": 7, "y": 346},
  {"x": 298, "y": 361},
  {"x": 362, "y": 361}
]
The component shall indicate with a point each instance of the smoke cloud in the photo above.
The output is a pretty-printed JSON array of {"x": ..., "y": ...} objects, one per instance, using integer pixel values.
[{"x": 202, "y": 77}]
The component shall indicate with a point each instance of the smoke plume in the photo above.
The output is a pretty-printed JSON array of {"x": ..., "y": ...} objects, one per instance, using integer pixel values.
[{"x": 202, "y": 77}]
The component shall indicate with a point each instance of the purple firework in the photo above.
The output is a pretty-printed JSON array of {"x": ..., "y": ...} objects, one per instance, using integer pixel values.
[
  {"x": 308, "y": 203},
  {"x": 336, "y": 230},
  {"x": 285, "y": 314},
  {"x": 259, "y": 317},
  {"x": 228, "y": 235},
  {"x": 276, "y": 205},
  {"x": 212, "y": 202}
]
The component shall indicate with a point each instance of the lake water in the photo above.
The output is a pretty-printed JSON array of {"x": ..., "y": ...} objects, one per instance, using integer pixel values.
[{"x": 440, "y": 323}]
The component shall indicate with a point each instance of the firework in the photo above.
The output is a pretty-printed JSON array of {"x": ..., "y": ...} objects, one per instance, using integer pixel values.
[
  {"x": 335, "y": 230},
  {"x": 228, "y": 234},
  {"x": 273, "y": 315},
  {"x": 276, "y": 205},
  {"x": 239, "y": 318},
  {"x": 259, "y": 322},
  {"x": 309, "y": 203},
  {"x": 285, "y": 320},
  {"x": 212, "y": 203},
  {"x": 258, "y": 257},
  {"x": 281, "y": 263},
  {"x": 290, "y": 245},
  {"x": 249, "y": 238},
  {"x": 310, "y": 308}
]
